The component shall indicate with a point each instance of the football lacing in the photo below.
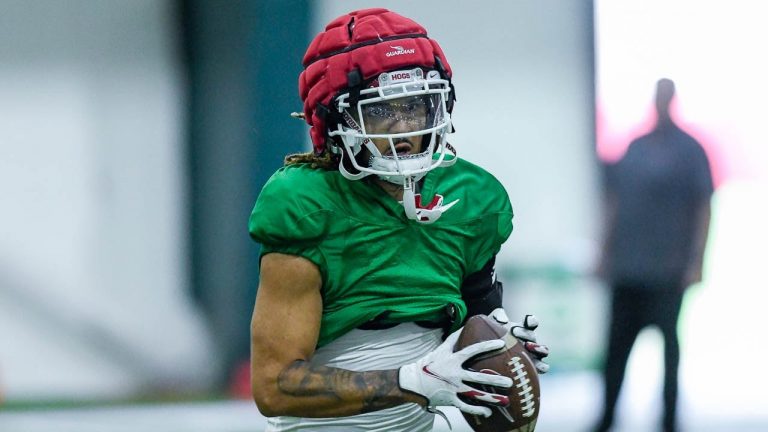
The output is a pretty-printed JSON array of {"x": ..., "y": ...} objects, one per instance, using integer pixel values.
[{"x": 523, "y": 383}]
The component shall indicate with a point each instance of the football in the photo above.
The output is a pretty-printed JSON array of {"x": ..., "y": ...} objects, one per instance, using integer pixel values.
[{"x": 512, "y": 361}]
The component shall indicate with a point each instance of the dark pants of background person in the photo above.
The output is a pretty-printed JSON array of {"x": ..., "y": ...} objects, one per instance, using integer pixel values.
[{"x": 634, "y": 307}]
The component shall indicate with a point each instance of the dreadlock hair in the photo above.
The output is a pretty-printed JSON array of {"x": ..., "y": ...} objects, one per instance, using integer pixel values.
[{"x": 325, "y": 160}]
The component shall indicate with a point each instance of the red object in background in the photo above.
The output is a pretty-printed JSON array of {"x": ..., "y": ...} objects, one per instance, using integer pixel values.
[{"x": 240, "y": 381}]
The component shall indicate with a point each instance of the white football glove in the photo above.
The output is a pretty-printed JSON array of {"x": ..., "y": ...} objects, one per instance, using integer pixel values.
[
  {"x": 525, "y": 333},
  {"x": 439, "y": 377}
]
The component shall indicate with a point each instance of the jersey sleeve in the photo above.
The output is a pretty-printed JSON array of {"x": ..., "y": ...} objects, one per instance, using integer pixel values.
[
  {"x": 494, "y": 224},
  {"x": 286, "y": 219}
]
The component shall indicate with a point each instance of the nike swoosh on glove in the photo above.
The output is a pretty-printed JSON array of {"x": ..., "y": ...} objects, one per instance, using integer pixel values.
[
  {"x": 525, "y": 332},
  {"x": 440, "y": 377}
]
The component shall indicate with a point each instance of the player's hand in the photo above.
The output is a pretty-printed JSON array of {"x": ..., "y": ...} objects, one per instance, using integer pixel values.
[
  {"x": 525, "y": 332},
  {"x": 440, "y": 377}
]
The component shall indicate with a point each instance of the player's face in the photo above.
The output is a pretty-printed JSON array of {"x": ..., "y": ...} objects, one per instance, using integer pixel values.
[{"x": 397, "y": 116}]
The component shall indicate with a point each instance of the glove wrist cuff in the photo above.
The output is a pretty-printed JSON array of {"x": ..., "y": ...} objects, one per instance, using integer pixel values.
[
  {"x": 408, "y": 381},
  {"x": 407, "y": 378}
]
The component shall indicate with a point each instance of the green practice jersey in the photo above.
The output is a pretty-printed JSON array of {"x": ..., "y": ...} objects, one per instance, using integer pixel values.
[{"x": 372, "y": 258}]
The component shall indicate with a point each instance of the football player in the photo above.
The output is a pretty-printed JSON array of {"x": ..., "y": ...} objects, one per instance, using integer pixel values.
[{"x": 377, "y": 245}]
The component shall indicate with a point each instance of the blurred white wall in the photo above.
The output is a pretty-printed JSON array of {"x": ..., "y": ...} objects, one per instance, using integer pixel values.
[{"x": 92, "y": 239}]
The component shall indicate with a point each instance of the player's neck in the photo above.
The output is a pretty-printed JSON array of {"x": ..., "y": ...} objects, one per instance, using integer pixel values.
[{"x": 393, "y": 190}]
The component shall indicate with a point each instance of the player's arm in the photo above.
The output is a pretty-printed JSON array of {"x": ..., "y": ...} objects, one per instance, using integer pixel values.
[
  {"x": 284, "y": 333},
  {"x": 701, "y": 232},
  {"x": 483, "y": 293}
]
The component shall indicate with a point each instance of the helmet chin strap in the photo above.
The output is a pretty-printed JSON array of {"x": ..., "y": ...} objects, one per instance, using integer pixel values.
[{"x": 413, "y": 208}]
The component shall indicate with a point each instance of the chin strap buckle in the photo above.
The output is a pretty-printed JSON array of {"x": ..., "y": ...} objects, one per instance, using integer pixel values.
[{"x": 414, "y": 209}]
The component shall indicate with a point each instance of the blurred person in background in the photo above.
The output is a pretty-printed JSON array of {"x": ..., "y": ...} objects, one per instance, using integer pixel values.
[
  {"x": 365, "y": 270},
  {"x": 657, "y": 221}
]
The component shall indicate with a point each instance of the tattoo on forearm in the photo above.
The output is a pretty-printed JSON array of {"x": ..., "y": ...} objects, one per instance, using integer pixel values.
[{"x": 376, "y": 389}]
